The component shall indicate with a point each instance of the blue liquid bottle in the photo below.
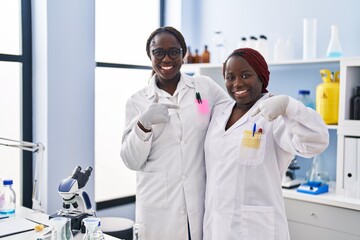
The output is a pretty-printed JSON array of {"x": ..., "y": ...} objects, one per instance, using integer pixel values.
[{"x": 7, "y": 198}]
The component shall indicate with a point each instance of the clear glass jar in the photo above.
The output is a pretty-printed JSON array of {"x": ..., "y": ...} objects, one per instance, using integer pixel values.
[{"x": 304, "y": 97}]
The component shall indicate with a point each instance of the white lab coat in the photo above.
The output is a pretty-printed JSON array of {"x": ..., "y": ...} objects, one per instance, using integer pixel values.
[
  {"x": 170, "y": 160},
  {"x": 243, "y": 190}
]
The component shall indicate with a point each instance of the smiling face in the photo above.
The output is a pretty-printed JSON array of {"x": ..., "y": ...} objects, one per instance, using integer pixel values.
[
  {"x": 242, "y": 82},
  {"x": 167, "y": 68}
]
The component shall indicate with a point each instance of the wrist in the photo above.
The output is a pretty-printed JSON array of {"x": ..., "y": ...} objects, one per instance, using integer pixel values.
[{"x": 142, "y": 127}]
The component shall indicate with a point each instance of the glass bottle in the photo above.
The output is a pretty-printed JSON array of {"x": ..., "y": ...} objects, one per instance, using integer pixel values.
[
  {"x": 205, "y": 56},
  {"x": 188, "y": 56},
  {"x": 355, "y": 105},
  {"x": 7, "y": 198},
  {"x": 196, "y": 57},
  {"x": 304, "y": 97},
  {"x": 334, "y": 48}
]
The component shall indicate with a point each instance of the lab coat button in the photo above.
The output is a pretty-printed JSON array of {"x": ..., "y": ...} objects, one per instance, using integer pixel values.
[
  {"x": 183, "y": 143},
  {"x": 183, "y": 212},
  {"x": 183, "y": 177}
]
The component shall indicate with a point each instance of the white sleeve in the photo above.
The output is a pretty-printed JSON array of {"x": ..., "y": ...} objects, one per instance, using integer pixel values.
[
  {"x": 301, "y": 130},
  {"x": 136, "y": 144}
]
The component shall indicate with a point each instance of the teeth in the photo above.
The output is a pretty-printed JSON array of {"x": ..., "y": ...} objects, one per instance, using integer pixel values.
[
  {"x": 167, "y": 68},
  {"x": 240, "y": 92}
]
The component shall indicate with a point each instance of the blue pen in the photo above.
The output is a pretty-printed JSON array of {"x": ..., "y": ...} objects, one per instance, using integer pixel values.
[{"x": 254, "y": 129}]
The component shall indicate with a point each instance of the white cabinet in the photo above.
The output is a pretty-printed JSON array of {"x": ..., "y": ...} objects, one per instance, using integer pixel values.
[{"x": 317, "y": 221}]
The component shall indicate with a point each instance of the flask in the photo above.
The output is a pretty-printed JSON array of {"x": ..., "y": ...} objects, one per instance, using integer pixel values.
[
  {"x": 93, "y": 231},
  {"x": 334, "y": 48},
  {"x": 7, "y": 198},
  {"x": 304, "y": 97},
  {"x": 355, "y": 105},
  {"x": 58, "y": 231},
  {"x": 196, "y": 57},
  {"x": 189, "y": 56},
  {"x": 327, "y": 96},
  {"x": 205, "y": 56}
]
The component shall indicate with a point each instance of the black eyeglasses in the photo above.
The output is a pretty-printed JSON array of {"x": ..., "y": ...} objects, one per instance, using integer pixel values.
[{"x": 160, "y": 53}]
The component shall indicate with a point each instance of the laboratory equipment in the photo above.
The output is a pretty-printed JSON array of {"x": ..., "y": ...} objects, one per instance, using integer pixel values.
[
  {"x": 289, "y": 180},
  {"x": 334, "y": 49},
  {"x": 7, "y": 198},
  {"x": 309, "y": 38},
  {"x": 317, "y": 178},
  {"x": 39, "y": 149},
  {"x": 58, "y": 230},
  {"x": 93, "y": 231},
  {"x": 76, "y": 202},
  {"x": 355, "y": 105},
  {"x": 304, "y": 97},
  {"x": 327, "y": 96}
]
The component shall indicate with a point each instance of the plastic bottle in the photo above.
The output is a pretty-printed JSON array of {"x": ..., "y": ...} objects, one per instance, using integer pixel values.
[
  {"x": 355, "y": 105},
  {"x": 205, "y": 56},
  {"x": 7, "y": 198},
  {"x": 304, "y": 97},
  {"x": 327, "y": 96},
  {"x": 334, "y": 48},
  {"x": 252, "y": 42},
  {"x": 262, "y": 46},
  {"x": 242, "y": 43}
]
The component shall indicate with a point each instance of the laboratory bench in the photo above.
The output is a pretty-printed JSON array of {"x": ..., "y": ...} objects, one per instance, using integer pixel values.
[{"x": 25, "y": 215}]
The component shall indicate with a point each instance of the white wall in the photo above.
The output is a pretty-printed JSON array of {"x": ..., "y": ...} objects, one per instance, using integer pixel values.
[
  {"x": 273, "y": 18},
  {"x": 63, "y": 89}
]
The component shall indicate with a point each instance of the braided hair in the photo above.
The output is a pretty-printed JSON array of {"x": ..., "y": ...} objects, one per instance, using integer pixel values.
[
  {"x": 256, "y": 61},
  {"x": 170, "y": 30}
]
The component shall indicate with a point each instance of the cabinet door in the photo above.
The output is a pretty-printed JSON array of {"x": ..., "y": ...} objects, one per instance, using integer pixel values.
[
  {"x": 303, "y": 231},
  {"x": 323, "y": 216}
]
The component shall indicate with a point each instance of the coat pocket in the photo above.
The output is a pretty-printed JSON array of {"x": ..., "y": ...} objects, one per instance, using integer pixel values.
[{"x": 257, "y": 222}]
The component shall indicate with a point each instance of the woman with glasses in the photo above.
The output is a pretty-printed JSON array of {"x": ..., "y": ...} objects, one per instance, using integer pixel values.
[{"x": 166, "y": 123}]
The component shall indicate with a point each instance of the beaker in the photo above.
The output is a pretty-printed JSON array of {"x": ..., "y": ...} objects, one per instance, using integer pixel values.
[
  {"x": 58, "y": 228},
  {"x": 93, "y": 231},
  {"x": 317, "y": 174}
]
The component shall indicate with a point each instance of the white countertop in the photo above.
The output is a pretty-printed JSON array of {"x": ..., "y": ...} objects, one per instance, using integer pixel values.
[
  {"x": 38, "y": 217},
  {"x": 329, "y": 198}
]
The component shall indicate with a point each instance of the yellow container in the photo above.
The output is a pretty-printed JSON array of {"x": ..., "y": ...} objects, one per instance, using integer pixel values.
[{"x": 327, "y": 96}]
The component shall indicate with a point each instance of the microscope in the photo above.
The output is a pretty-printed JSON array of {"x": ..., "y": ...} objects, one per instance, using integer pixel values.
[
  {"x": 289, "y": 181},
  {"x": 76, "y": 202}
]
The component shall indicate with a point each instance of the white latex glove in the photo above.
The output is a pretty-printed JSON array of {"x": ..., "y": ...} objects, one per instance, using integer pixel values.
[
  {"x": 272, "y": 107},
  {"x": 156, "y": 113}
]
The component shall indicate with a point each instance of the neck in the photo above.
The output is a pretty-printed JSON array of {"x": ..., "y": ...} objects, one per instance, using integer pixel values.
[{"x": 168, "y": 85}]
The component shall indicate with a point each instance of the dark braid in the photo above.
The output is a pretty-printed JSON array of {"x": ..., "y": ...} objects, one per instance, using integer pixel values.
[{"x": 170, "y": 30}]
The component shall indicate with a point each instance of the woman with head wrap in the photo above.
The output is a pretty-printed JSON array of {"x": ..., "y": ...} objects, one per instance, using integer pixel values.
[{"x": 249, "y": 144}]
